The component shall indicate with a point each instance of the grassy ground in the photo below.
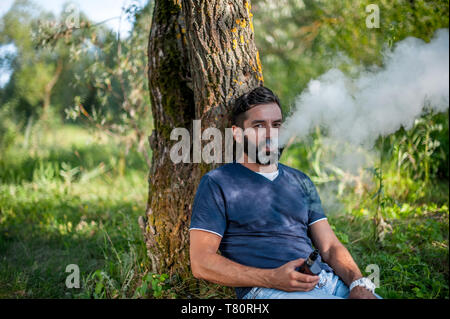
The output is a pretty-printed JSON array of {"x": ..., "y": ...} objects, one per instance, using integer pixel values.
[
  {"x": 71, "y": 197},
  {"x": 69, "y": 200}
]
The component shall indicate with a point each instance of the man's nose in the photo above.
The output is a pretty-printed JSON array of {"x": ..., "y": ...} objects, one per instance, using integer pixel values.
[{"x": 271, "y": 132}]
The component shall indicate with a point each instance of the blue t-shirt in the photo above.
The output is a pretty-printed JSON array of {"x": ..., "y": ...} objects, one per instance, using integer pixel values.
[{"x": 262, "y": 223}]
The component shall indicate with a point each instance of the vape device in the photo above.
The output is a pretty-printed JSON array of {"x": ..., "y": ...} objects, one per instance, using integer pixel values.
[{"x": 311, "y": 265}]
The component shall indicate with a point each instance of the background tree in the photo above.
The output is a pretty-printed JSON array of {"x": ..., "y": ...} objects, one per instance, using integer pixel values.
[{"x": 34, "y": 73}]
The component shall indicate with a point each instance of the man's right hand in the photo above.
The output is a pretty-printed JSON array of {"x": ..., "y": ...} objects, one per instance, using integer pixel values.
[{"x": 288, "y": 279}]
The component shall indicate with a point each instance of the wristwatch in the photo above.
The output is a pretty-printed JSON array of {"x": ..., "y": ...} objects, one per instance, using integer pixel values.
[{"x": 363, "y": 282}]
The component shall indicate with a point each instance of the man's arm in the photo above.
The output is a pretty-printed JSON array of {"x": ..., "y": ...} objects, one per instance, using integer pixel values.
[
  {"x": 338, "y": 257},
  {"x": 207, "y": 264}
]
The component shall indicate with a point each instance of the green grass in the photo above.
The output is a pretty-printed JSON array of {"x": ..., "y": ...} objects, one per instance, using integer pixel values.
[
  {"x": 72, "y": 197},
  {"x": 69, "y": 201},
  {"x": 412, "y": 258}
]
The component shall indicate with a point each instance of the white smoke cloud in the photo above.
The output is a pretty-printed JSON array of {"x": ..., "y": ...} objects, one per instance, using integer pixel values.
[{"x": 414, "y": 77}]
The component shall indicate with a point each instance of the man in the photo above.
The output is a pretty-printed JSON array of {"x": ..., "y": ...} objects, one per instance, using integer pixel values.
[{"x": 264, "y": 217}]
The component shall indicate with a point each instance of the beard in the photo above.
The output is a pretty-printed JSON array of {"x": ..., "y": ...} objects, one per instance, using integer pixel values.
[{"x": 263, "y": 157}]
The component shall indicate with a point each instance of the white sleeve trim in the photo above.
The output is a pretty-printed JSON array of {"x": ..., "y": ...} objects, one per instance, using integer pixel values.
[
  {"x": 209, "y": 231},
  {"x": 317, "y": 221}
]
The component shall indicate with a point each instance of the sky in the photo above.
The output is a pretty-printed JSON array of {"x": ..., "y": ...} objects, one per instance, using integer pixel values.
[{"x": 96, "y": 10}]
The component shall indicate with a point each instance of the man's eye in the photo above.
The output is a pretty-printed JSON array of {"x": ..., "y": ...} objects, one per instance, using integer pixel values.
[{"x": 258, "y": 125}]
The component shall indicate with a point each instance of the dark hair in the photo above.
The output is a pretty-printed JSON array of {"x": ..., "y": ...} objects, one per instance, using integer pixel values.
[{"x": 257, "y": 96}]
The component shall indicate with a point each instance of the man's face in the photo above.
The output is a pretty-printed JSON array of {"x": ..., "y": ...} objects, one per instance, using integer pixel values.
[{"x": 261, "y": 128}]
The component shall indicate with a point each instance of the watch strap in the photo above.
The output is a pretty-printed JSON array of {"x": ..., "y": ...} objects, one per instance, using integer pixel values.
[{"x": 363, "y": 282}]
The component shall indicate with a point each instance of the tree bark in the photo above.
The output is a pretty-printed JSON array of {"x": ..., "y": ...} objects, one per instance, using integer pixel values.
[
  {"x": 172, "y": 106},
  {"x": 202, "y": 56},
  {"x": 222, "y": 54}
]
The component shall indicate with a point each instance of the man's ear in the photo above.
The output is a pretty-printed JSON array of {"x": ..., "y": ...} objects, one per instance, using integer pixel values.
[{"x": 237, "y": 133}]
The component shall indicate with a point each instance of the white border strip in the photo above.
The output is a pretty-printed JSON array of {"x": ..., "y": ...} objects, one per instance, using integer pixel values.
[
  {"x": 209, "y": 231},
  {"x": 317, "y": 221}
]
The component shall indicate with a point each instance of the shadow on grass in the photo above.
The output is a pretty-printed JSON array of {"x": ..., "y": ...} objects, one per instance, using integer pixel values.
[{"x": 37, "y": 244}]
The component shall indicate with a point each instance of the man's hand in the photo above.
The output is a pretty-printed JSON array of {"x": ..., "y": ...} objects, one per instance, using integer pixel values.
[
  {"x": 288, "y": 279},
  {"x": 361, "y": 293}
]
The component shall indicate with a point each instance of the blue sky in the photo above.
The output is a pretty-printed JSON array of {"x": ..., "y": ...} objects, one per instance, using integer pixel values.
[{"x": 96, "y": 10}]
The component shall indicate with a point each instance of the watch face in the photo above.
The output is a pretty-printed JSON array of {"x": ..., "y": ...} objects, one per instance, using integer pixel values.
[{"x": 368, "y": 282}]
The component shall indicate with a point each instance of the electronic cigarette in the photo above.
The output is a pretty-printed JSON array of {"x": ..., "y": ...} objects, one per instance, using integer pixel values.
[{"x": 311, "y": 265}]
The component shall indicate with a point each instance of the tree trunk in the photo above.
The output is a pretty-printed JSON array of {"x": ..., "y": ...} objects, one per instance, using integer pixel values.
[
  {"x": 172, "y": 106},
  {"x": 49, "y": 88},
  {"x": 202, "y": 56}
]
